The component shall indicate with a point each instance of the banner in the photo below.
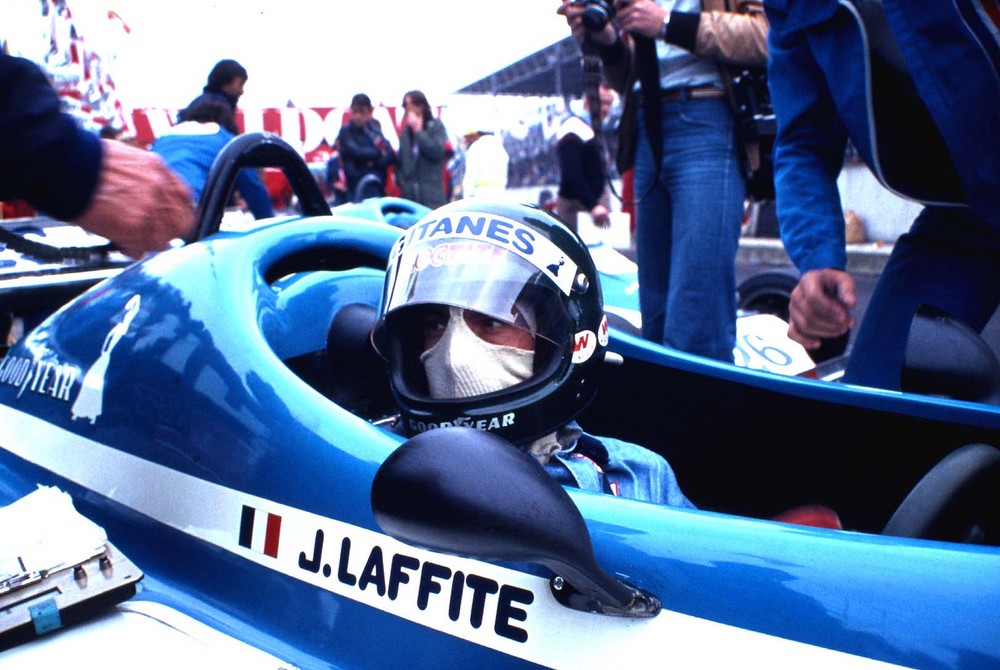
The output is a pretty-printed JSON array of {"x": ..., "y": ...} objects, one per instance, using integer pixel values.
[{"x": 311, "y": 131}]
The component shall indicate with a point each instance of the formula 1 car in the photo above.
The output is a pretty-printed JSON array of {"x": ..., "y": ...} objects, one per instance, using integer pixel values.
[{"x": 217, "y": 412}]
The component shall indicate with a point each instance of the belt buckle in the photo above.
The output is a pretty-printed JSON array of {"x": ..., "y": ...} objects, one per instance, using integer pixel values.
[{"x": 679, "y": 94}]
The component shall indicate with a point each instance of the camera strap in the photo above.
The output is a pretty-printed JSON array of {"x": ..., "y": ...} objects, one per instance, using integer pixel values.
[
  {"x": 648, "y": 67},
  {"x": 649, "y": 80},
  {"x": 592, "y": 81}
]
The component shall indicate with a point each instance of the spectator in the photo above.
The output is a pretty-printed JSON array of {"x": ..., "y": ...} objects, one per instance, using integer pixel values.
[
  {"x": 486, "y": 165},
  {"x": 915, "y": 91},
  {"x": 365, "y": 153},
  {"x": 225, "y": 81},
  {"x": 583, "y": 173},
  {"x": 423, "y": 150},
  {"x": 678, "y": 134},
  {"x": 191, "y": 146},
  {"x": 124, "y": 194}
]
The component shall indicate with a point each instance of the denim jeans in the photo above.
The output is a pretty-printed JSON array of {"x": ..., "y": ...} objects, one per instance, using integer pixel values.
[
  {"x": 949, "y": 259},
  {"x": 688, "y": 229}
]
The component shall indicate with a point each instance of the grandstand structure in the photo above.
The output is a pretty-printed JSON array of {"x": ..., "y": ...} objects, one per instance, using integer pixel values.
[{"x": 555, "y": 71}]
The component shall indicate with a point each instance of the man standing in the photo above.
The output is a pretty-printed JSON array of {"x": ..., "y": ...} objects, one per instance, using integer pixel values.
[
  {"x": 365, "y": 153},
  {"x": 669, "y": 59},
  {"x": 914, "y": 86},
  {"x": 583, "y": 170}
]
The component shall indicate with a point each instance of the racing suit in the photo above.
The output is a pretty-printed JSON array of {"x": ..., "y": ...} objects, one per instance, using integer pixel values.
[{"x": 612, "y": 466}]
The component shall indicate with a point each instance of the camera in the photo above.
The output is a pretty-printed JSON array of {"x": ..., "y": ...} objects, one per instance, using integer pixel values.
[{"x": 596, "y": 14}]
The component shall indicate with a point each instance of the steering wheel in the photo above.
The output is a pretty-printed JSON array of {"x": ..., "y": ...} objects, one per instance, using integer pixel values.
[
  {"x": 958, "y": 500},
  {"x": 254, "y": 150}
]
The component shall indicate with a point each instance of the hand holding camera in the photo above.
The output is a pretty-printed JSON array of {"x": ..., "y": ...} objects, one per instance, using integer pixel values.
[
  {"x": 596, "y": 19},
  {"x": 590, "y": 19}
]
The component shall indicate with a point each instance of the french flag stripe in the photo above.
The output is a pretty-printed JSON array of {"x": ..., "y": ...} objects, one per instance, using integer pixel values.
[{"x": 260, "y": 531}]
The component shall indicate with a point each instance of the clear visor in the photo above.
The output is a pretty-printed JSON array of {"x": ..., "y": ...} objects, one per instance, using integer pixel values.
[{"x": 482, "y": 277}]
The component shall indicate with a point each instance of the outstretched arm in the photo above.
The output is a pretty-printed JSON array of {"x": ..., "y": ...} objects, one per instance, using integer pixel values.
[{"x": 125, "y": 194}]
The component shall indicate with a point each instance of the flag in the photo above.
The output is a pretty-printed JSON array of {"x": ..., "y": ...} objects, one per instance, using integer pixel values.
[{"x": 260, "y": 530}]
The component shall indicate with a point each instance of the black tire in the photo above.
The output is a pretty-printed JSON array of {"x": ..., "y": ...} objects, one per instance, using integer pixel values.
[{"x": 768, "y": 292}]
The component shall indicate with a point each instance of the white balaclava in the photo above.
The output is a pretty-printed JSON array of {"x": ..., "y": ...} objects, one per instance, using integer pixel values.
[{"x": 462, "y": 365}]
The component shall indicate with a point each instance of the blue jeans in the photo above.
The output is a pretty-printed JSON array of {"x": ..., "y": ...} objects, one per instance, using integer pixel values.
[
  {"x": 949, "y": 259},
  {"x": 688, "y": 229}
]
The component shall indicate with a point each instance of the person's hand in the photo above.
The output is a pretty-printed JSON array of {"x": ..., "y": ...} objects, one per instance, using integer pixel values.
[
  {"x": 820, "y": 307},
  {"x": 601, "y": 215},
  {"x": 573, "y": 11},
  {"x": 640, "y": 17},
  {"x": 140, "y": 204},
  {"x": 414, "y": 120}
]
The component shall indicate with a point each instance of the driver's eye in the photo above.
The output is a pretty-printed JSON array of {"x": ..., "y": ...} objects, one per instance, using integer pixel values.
[
  {"x": 433, "y": 323},
  {"x": 483, "y": 323},
  {"x": 495, "y": 331}
]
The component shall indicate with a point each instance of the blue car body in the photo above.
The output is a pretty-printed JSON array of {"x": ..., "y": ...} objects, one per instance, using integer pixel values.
[{"x": 191, "y": 407}]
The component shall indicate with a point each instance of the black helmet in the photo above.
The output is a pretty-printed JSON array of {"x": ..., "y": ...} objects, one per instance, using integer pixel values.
[{"x": 516, "y": 264}]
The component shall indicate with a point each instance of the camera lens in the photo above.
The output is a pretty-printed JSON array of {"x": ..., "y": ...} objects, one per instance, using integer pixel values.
[{"x": 595, "y": 16}]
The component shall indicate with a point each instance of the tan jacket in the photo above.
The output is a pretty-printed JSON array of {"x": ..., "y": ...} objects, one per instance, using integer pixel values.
[{"x": 733, "y": 32}]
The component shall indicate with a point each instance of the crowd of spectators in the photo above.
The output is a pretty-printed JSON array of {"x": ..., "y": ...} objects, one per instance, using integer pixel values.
[{"x": 532, "y": 149}]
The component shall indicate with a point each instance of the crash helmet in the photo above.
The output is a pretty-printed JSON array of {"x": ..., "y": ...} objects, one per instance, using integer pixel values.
[{"x": 474, "y": 267}]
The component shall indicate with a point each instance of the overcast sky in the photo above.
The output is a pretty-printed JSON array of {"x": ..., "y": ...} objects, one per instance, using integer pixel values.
[{"x": 318, "y": 53}]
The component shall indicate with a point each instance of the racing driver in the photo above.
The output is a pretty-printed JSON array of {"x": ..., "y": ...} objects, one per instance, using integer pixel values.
[{"x": 492, "y": 317}]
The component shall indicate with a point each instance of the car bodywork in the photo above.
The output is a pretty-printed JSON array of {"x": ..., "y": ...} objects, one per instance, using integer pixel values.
[{"x": 208, "y": 409}]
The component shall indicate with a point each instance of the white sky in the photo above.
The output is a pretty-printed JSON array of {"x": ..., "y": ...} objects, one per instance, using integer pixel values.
[{"x": 319, "y": 53}]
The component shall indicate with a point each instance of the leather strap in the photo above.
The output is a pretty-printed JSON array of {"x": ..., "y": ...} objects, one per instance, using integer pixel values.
[{"x": 648, "y": 66}]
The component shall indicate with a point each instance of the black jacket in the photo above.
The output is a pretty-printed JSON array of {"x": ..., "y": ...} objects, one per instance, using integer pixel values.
[{"x": 364, "y": 151}]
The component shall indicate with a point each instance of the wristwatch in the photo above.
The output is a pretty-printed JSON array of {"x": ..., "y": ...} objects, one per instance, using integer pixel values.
[{"x": 666, "y": 22}]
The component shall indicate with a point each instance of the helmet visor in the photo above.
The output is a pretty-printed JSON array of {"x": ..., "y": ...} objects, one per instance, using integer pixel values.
[{"x": 483, "y": 277}]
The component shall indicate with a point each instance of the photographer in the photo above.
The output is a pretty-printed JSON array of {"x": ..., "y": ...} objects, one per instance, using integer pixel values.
[{"x": 670, "y": 62}]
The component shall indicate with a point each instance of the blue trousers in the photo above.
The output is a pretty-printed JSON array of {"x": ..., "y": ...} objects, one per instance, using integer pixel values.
[
  {"x": 688, "y": 229},
  {"x": 949, "y": 259}
]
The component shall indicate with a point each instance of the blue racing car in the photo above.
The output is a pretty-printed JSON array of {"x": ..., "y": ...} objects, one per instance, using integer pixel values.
[{"x": 212, "y": 422}]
